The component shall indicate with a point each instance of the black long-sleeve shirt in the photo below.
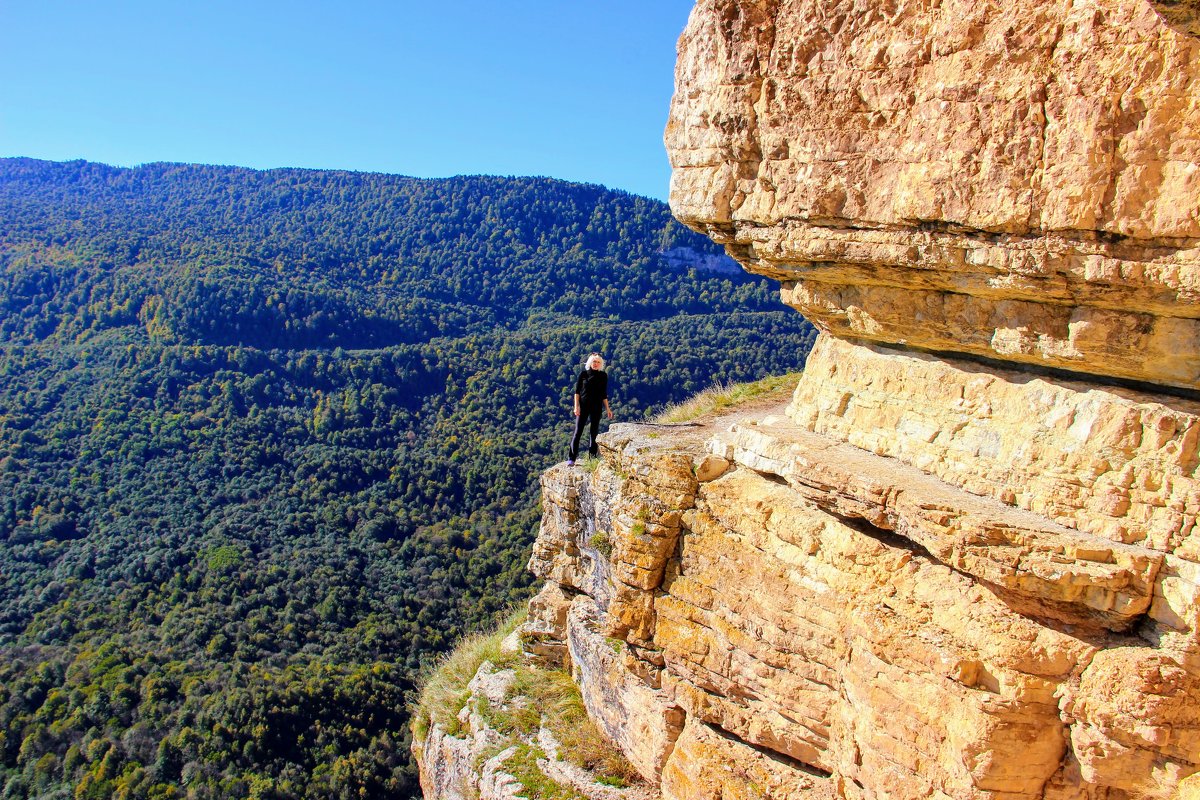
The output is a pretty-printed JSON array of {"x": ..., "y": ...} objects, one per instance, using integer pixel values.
[{"x": 592, "y": 388}]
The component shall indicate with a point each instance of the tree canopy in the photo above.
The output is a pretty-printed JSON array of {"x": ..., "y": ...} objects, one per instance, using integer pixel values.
[{"x": 270, "y": 440}]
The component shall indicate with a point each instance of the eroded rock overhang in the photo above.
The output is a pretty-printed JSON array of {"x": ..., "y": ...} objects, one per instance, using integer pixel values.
[{"x": 1013, "y": 181}]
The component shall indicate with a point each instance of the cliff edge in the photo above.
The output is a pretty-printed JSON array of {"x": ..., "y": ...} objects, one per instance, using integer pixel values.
[{"x": 962, "y": 561}]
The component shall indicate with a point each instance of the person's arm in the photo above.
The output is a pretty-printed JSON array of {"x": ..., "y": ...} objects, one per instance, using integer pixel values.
[
  {"x": 577, "y": 404},
  {"x": 578, "y": 389},
  {"x": 606, "y": 408}
]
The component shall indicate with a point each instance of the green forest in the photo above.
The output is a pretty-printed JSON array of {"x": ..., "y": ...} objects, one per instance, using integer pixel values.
[{"x": 270, "y": 442}]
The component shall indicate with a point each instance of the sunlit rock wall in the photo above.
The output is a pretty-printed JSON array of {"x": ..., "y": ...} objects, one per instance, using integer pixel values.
[
  {"x": 963, "y": 561},
  {"x": 1012, "y": 180}
]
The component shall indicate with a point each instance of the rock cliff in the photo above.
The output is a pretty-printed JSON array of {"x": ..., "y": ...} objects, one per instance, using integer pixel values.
[
  {"x": 1012, "y": 180},
  {"x": 963, "y": 560}
]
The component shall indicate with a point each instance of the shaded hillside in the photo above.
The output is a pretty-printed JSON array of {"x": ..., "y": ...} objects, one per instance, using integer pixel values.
[{"x": 270, "y": 439}]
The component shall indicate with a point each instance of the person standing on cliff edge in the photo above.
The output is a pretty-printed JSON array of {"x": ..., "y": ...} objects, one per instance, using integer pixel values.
[{"x": 591, "y": 398}]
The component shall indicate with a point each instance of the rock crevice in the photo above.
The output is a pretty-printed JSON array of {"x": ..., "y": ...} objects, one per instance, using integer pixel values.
[{"x": 1063, "y": 572}]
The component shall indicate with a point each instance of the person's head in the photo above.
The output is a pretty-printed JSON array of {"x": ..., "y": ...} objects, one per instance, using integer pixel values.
[{"x": 594, "y": 361}]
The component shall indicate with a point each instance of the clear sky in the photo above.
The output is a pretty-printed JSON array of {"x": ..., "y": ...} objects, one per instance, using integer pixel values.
[{"x": 566, "y": 88}]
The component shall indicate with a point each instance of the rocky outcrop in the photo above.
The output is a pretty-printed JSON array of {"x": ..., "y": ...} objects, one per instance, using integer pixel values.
[
  {"x": 825, "y": 621},
  {"x": 1054, "y": 570},
  {"x": 454, "y": 767},
  {"x": 1118, "y": 463},
  {"x": 963, "y": 561},
  {"x": 1015, "y": 181},
  {"x": 507, "y": 729}
]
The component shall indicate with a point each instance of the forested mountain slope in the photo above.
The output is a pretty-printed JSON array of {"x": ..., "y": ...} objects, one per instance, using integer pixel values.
[{"x": 268, "y": 440}]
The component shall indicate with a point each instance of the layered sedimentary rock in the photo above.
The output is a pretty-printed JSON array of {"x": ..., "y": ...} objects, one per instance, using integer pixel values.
[
  {"x": 963, "y": 561},
  {"x": 823, "y": 621},
  {"x": 1010, "y": 180}
]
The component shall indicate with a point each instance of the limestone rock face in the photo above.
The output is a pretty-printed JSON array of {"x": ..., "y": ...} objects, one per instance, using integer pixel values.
[
  {"x": 623, "y": 694},
  {"x": 1117, "y": 463},
  {"x": 458, "y": 767},
  {"x": 707, "y": 760},
  {"x": 829, "y": 622},
  {"x": 954, "y": 193},
  {"x": 963, "y": 561},
  {"x": 1062, "y": 573},
  {"x": 1013, "y": 180}
]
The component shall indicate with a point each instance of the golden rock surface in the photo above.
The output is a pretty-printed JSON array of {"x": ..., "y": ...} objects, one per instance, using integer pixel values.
[
  {"x": 963, "y": 561},
  {"x": 1013, "y": 180},
  {"x": 1114, "y": 462},
  {"x": 801, "y": 638}
]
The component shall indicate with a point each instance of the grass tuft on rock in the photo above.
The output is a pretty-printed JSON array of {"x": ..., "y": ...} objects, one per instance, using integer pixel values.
[
  {"x": 602, "y": 542},
  {"x": 444, "y": 688},
  {"x": 523, "y": 765},
  {"x": 724, "y": 396},
  {"x": 537, "y": 699}
]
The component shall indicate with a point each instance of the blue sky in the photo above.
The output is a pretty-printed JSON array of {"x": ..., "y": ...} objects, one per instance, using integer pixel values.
[{"x": 566, "y": 88}]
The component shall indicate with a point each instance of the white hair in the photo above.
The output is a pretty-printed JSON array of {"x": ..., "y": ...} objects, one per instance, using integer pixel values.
[{"x": 587, "y": 362}]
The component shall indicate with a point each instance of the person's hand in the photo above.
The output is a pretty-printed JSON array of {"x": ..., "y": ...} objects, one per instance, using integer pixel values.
[
  {"x": 577, "y": 411},
  {"x": 610, "y": 413}
]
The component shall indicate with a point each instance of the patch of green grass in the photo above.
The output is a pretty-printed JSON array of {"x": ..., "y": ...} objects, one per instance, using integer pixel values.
[
  {"x": 521, "y": 720},
  {"x": 537, "y": 698},
  {"x": 444, "y": 688},
  {"x": 565, "y": 716},
  {"x": 722, "y": 397},
  {"x": 602, "y": 542},
  {"x": 523, "y": 765}
]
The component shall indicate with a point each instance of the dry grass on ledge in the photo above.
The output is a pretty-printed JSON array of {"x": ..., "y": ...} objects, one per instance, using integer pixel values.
[{"x": 724, "y": 396}]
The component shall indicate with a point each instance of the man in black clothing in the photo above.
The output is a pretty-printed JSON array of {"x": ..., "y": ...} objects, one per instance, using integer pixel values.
[{"x": 591, "y": 398}]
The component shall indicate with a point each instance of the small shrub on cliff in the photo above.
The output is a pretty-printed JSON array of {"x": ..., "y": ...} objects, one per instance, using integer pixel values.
[{"x": 602, "y": 542}]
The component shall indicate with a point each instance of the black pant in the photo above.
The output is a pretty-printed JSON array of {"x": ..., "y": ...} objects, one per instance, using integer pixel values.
[{"x": 586, "y": 416}]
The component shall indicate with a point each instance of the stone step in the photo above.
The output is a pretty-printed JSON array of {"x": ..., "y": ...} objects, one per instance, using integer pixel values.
[{"x": 1040, "y": 566}]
